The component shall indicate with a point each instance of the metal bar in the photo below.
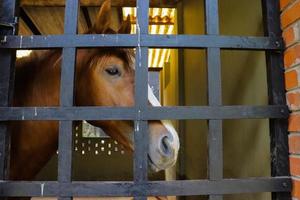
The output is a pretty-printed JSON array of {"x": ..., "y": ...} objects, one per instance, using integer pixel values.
[
  {"x": 151, "y": 188},
  {"x": 65, "y": 151},
  {"x": 6, "y": 87},
  {"x": 140, "y": 151},
  {"x": 67, "y": 77},
  {"x": 215, "y": 135},
  {"x": 29, "y": 23},
  {"x": 71, "y": 17},
  {"x": 215, "y": 112},
  {"x": 151, "y": 41},
  {"x": 141, "y": 78},
  {"x": 65, "y": 127},
  {"x": 93, "y": 3},
  {"x": 7, "y": 70},
  {"x": 141, "y": 99},
  {"x": 141, "y": 127},
  {"x": 214, "y": 77},
  {"x": 151, "y": 113},
  {"x": 276, "y": 90},
  {"x": 67, "y": 98}
]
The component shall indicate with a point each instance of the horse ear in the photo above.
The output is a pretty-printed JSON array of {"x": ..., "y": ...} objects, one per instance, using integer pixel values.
[
  {"x": 125, "y": 26},
  {"x": 103, "y": 19}
]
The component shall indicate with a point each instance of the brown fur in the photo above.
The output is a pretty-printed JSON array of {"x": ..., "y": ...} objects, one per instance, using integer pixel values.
[{"x": 38, "y": 84}]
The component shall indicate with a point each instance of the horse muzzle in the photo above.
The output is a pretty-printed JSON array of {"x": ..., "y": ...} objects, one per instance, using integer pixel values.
[{"x": 163, "y": 148}]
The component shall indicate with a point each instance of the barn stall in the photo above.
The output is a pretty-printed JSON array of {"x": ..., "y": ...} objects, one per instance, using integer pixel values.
[{"x": 229, "y": 71}]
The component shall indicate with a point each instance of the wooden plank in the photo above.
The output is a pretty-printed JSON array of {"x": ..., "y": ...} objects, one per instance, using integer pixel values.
[
  {"x": 115, "y": 3},
  {"x": 23, "y": 28},
  {"x": 51, "y": 20}
]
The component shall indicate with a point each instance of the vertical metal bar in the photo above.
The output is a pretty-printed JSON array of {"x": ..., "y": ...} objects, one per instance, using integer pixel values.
[
  {"x": 141, "y": 98},
  {"x": 141, "y": 127},
  {"x": 215, "y": 141},
  {"x": 71, "y": 17},
  {"x": 8, "y": 12},
  {"x": 276, "y": 94},
  {"x": 7, "y": 58},
  {"x": 67, "y": 96}
]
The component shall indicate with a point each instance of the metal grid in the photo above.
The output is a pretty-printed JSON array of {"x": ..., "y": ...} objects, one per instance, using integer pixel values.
[{"x": 140, "y": 187}]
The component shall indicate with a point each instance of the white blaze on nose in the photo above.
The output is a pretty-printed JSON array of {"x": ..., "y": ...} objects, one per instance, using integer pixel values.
[{"x": 167, "y": 124}]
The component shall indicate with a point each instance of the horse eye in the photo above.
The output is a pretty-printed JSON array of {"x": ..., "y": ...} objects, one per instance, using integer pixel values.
[{"x": 113, "y": 71}]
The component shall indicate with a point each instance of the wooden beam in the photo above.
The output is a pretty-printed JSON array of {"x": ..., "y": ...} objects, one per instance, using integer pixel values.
[
  {"x": 86, "y": 16},
  {"x": 29, "y": 23},
  {"x": 115, "y": 3}
]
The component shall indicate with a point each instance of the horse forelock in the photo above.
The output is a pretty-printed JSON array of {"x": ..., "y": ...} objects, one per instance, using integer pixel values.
[{"x": 126, "y": 55}]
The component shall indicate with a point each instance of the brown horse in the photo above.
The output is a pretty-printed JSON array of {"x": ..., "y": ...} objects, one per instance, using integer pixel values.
[{"x": 104, "y": 77}]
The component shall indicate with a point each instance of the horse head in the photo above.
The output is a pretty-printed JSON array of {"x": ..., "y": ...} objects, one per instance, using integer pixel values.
[{"x": 105, "y": 77}]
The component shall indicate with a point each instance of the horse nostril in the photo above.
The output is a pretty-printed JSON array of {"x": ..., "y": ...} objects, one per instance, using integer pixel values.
[{"x": 165, "y": 146}]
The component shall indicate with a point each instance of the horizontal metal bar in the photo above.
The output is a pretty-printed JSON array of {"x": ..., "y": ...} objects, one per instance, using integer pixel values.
[
  {"x": 151, "y": 113},
  {"x": 152, "y": 188},
  {"x": 60, "y": 41},
  {"x": 126, "y": 40},
  {"x": 204, "y": 41},
  {"x": 66, "y": 113},
  {"x": 93, "y": 3},
  {"x": 217, "y": 112}
]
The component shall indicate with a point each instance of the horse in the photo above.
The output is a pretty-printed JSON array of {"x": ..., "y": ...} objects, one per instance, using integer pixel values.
[{"x": 103, "y": 77}]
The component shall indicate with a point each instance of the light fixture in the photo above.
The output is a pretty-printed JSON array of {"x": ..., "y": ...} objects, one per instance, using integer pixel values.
[{"x": 161, "y": 21}]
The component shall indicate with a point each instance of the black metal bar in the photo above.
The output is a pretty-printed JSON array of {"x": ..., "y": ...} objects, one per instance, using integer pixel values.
[
  {"x": 29, "y": 23},
  {"x": 152, "y": 113},
  {"x": 276, "y": 90},
  {"x": 67, "y": 98},
  {"x": 71, "y": 17},
  {"x": 215, "y": 135},
  {"x": 89, "y": 3},
  {"x": 141, "y": 99},
  {"x": 151, "y": 188},
  {"x": 65, "y": 151},
  {"x": 141, "y": 127},
  {"x": 218, "y": 112},
  {"x": 6, "y": 87},
  {"x": 65, "y": 127},
  {"x": 140, "y": 151},
  {"x": 151, "y": 41},
  {"x": 141, "y": 78},
  {"x": 7, "y": 69}
]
